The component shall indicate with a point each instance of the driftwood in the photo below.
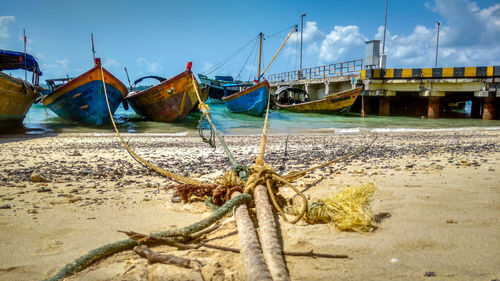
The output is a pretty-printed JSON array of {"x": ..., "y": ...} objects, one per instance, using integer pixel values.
[
  {"x": 271, "y": 246},
  {"x": 149, "y": 240},
  {"x": 256, "y": 268},
  {"x": 153, "y": 257},
  {"x": 127, "y": 244}
]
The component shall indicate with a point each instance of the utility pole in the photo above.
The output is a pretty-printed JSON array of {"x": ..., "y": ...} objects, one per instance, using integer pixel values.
[
  {"x": 383, "y": 56},
  {"x": 385, "y": 26},
  {"x": 301, "y": 34},
  {"x": 437, "y": 44}
]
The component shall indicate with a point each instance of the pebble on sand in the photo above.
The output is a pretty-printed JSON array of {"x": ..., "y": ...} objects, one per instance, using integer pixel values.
[{"x": 37, "y": 177}]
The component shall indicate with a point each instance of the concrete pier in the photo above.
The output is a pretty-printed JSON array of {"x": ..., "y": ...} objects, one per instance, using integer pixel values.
[
  {"x": 427, "y": 92},
  {"x": 384, "y": 106},
  {"x": 433, "y": 107},
  {"x": 489, "y": 111}
]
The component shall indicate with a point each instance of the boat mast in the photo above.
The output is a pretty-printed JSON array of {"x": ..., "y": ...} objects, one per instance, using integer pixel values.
[
  {"x": 260, "y": 54},
  {"x": 288, "y": 37},
  {"x": 25, "y": 74},
  {"x": 93, "y": 50},
  {"x": 301, "y": 32}
]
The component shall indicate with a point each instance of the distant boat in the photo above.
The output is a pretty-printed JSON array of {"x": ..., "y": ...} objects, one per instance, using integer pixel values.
[
  {"x": 290, "y": 95},
  {"x": 82, "y": 99},
  {"x": 217, "y": 86},
  {"x": 254, "y": 99},
  {"x": 17, "y": 95},
  {"x": 338, "y": 103},
  {"x": 169, "y": 101}
]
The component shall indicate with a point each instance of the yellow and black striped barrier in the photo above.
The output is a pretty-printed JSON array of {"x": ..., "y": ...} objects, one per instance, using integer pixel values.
[{"x": 442, "y": 72}]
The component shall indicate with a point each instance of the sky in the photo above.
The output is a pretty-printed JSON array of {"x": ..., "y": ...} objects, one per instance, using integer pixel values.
[{"x": 160, "y": 37}]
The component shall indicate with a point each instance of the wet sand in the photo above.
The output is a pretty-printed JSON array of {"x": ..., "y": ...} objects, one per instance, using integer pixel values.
[{"x": 437, "y": 204}]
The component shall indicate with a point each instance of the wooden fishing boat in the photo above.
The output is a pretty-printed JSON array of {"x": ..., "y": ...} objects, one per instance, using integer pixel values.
[
  {"x": 338, "y": 103},
  {"x": 82, "y": 99},
  {"x": 169, "y": 101},
  {"x": 252, "y": 100},
  {"x": 204, "y": 97},
  {"x": 216, "y": 87},
  {"x": 17, "y": 95}
]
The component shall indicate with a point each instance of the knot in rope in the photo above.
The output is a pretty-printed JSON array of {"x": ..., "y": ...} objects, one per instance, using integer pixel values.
[
  {"x": 203, "y": 105},
  {"x": 260, "y": 174},
  {"x": 265, "y": 175},
  {"x": 228, "y": 180},
  {"x": 242, "y": 171}
]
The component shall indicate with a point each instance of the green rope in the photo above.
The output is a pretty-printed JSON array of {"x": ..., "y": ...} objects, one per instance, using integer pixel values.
[
  {"x": 211, "y": 139},
  {"x": 244, "y": 172},
  {"x": 113, "y": 248},
  {"x": 210, "y": 203}
]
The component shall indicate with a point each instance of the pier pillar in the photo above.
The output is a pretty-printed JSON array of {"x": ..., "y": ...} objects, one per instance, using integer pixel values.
[
  {"x": 384, "y": 106},
  {"x": 475, "y": 110},
  {"x": 327, "y": 88},
  {"x": 433, "y": 107},
  {"x": 489, "y": 110},
  {"x": 365, "y": 106},
  {"x": 307, "y": 88}
]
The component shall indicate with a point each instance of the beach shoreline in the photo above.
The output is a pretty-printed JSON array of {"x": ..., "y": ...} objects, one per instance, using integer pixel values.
[{"x": 437, "y": 199}]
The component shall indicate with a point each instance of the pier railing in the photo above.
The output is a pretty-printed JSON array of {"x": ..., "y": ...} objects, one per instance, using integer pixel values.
[{"x": 335, "y": 69}]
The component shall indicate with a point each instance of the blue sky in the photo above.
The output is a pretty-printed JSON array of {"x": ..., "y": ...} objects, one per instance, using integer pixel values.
[{"x": 160, "y": 37}]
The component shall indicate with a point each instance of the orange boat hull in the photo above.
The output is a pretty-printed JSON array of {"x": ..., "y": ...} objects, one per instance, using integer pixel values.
[{"x": 169, "y": 101}]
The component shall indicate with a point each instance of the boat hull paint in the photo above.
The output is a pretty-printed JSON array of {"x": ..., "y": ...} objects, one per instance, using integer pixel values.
[
  {"x": 169, "y": 101},
  {"x": 16, "y": 98},
  {"x": 252, "y": 101},
  {"x": 339, "y": 103},
  {"x": 83, "y": 99}
]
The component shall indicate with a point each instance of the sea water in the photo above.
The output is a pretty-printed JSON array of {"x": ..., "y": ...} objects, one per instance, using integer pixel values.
[{"x": 41, "y": 120}]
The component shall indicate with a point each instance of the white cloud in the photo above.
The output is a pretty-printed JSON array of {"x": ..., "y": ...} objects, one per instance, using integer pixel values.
[
  {"x": 111, "y": 63},
  {"x": 4, "y": 21},
  {"x": 310, "y": 33},
  {"x": 342, "y": 43},
  {"x": 57, "y": 68},
  {"x": 151, "y": 67},
  {"x": 469, "y": 36},
  {"x": 206, "y": 66}
]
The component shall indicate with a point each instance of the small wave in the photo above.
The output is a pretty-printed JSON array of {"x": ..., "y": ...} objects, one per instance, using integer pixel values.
[
  {"x": 394, "y": 130},
  {"x": 461, "y": 129}
]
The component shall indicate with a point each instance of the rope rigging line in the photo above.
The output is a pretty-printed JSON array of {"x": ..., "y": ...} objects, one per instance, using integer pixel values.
[
  {"x": 254, "y": 63},
  {"x": 272, "y": 60},
  {"x": 279, "y": 32},
  {"x": 224, "y": 61},
  {"x": 166, "y": 173},
  {"x": 246, "y": 61}
]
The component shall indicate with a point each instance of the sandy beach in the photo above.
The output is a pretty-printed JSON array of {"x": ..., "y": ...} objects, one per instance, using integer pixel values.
[{"x": 437, "y": 204}]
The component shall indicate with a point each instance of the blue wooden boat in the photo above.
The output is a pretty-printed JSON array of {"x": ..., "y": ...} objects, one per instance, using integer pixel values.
[
  {"x": 252, "y": 100},
  {"x": 82, "y": 99},
  {"x": 17, "y": 95}
]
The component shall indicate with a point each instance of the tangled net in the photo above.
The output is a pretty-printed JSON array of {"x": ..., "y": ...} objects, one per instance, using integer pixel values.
[{"x": 348, "y": 210}]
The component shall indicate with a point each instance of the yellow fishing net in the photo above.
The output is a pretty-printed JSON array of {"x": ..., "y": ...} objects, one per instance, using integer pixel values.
[{"x": 348, "y": 210}]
